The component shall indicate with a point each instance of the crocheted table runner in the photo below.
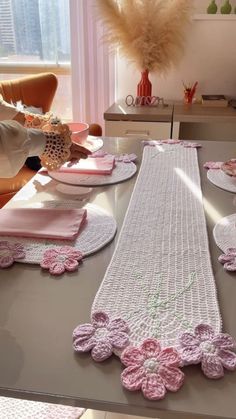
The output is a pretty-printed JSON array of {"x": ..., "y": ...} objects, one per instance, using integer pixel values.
[
  {"x": 160, "y": 279},
  {"x": 157, "y": 306}
]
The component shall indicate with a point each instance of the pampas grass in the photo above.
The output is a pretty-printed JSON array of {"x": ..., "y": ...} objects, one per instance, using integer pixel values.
[{"x": 150, "y": 33}]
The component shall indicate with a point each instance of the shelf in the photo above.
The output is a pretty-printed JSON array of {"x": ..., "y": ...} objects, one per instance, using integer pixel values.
[{"x": 217, "y": 16}]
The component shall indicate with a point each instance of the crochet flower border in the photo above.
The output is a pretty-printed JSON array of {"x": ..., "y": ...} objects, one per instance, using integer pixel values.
[{"x": 150, "y": 368}]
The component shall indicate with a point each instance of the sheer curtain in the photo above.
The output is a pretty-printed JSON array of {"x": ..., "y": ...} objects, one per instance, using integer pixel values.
[{"x": 92, "y": 67}]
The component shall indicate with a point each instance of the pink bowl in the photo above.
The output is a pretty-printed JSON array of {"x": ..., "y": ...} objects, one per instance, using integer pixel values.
[{"x": 80, "y": 131}]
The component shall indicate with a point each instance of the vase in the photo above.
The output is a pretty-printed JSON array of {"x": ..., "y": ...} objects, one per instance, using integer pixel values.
[
  {"x": 226, "y": 8},
  {"x": 144, "y": 87},
  {"x": 212, "y": 8}
]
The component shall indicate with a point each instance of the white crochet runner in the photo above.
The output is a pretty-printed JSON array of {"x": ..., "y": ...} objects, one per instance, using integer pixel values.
[{"x": 160, "y": 278}]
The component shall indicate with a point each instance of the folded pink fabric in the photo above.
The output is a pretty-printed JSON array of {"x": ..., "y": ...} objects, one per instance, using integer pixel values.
[
  {"x": 42, "y": 222},
  {"x": 97, "y": 166}
]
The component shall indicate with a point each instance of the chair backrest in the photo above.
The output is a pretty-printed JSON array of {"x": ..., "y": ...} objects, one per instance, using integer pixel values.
[{"x": 37, "y": 90}]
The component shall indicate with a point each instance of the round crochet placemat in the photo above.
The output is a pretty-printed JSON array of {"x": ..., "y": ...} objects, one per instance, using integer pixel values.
[
  {"x": 223, "y": 181},
  {"x": 224, "y": 232},
  {"x": 121, "y": 172},
  {"x": 99, "y": 230},
  {"x": 24, "y": 409}
]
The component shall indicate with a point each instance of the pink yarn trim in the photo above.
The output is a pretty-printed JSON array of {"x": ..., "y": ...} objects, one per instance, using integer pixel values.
[
  {"x": 151, "y": 369},
  {"x": 60, "y": 259},
  {"x": 213, "y": 164},
  {"x": 213, "y": 351},
  {"x": 228, "y": 259},
  {"x": 102, "y": 336},
  {"x": 10, "y": 252}
]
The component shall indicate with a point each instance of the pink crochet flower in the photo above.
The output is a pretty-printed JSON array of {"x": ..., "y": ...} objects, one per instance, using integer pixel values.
[
  {"x": 99, "y": 153},
  {"x": 10, "y": 252},
  {"x": 151, "y": 369},
  {"x": 192, "y": 145},
  {"x": 229, "y": 259},
  {"x": 213, "y": 164},
  {"x": 171, "y": 141},
  {"x": 151, "y": 143},
  {"x": 60, "y": 259},
  {"x": 102, "y": 336},
  {"x": 126, "y": 158},
  {"x": 214, "y": 352}
]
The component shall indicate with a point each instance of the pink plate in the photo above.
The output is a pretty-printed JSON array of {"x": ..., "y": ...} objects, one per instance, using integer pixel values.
[{"x": 229, "y": 167}]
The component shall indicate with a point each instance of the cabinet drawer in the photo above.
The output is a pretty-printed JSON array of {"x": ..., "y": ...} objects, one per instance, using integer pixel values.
[{"x": 153, "y": 130}]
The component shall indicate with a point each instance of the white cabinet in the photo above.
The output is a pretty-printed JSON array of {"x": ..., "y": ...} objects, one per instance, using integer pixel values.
[
  {"x": 146, "y": 122},
  {"x": 152, "y": 130}
]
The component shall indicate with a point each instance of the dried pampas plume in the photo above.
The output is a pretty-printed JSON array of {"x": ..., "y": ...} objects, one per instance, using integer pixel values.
[{"x": 150, "y": 33}]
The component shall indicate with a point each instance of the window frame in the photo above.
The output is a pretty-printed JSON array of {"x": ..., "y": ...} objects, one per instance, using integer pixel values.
[{"x": 31, "y": 68}]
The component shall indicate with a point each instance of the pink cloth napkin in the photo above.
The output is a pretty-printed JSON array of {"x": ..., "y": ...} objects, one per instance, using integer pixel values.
[
  {"x": 97, "y": 166},
  {"x": 42, "y": 222}
]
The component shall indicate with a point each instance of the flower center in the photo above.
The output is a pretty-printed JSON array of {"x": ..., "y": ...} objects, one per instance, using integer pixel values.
[
  {"x": 151, "y": 365},
  {"x": 61, "y": 258},
  {"x": 101, "y": 333},
  {"x": 207, "y": 347}
]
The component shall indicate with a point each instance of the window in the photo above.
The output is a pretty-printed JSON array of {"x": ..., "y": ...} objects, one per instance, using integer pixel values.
[{"x": 35, "y": 37}]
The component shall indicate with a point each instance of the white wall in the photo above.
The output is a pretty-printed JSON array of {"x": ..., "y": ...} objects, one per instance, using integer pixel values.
[{"x": 210, "y": 58}]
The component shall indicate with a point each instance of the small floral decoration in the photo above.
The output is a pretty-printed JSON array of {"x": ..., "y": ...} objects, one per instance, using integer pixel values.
[
  {"x": 213, "y": 164},
  {"x": 171, "y": 141},
  {"x": 102, "y": 336},
  {"x": 151, "y": 143},
  {"x": 126, "y": 158},
  {"x": 99, "y": 153},
  {"x": 60, "y": 259},
  {"x": 213, "y": 351},
  {"x": 10, "y": 252},
  {"x": 151, "y": 369},
  {"x": 228, "y": 259},
  {"x": 192, "y": 145}
]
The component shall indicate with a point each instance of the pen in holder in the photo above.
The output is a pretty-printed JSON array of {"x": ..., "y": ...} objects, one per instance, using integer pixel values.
[{"x": 189, "y": 92}]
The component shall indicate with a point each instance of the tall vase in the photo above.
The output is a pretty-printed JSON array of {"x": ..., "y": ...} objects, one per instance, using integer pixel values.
[{"x": 144, "y": 87}]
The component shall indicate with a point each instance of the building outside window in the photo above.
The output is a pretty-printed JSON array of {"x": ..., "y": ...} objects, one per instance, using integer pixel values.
[{"x": 34, "y": 38}]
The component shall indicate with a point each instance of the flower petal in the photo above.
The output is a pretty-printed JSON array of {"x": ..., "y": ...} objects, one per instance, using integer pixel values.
[
  {"x": 4, "y": 244},
  {"x": 153, "y": 387},
  {"x": 150, "y": 348},
  {"x": 47, "y": 262},
  {"x": 188, "y": 339},
  {"x": 118, "y": 324},
  {"x": 228, "y": 359},
  {"x": 84, "y": 345},
  {"x": 85, "y": 330},
  {"x": 56, "y": 268},
  {"x": 118, "y": 339},
  {"x": 65, "y": 250},
  {"x": 191, "y": 355},
  {"x": 230, "y": 266},
  {"x": 19, "y": 254},
  {"x": 225, "y": 258},
  {"x": 100, "y": 319},
  {"x": 212, "y": 366},
  {"x": 101, "y": 351},
  {"x": 224, "y": 341},
  {"x": 6, "y": 261},
  {"x": 132, "y": 377},
  {"x": 231, "y": 251},
  {"x": 169, "y": 357},
  {"x": 172, "y": 377},
  {"x": 71, "y": 265},
  {"x": 132, "y": 356},
  {"x": 204, "y": 332},
  {"x": 50, "y": 253}
]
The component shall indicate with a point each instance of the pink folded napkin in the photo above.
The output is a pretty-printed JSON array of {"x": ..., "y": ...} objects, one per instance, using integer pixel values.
[
  {"x": 97, "y": 166},
  {"x": 42, "y": 222}
]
